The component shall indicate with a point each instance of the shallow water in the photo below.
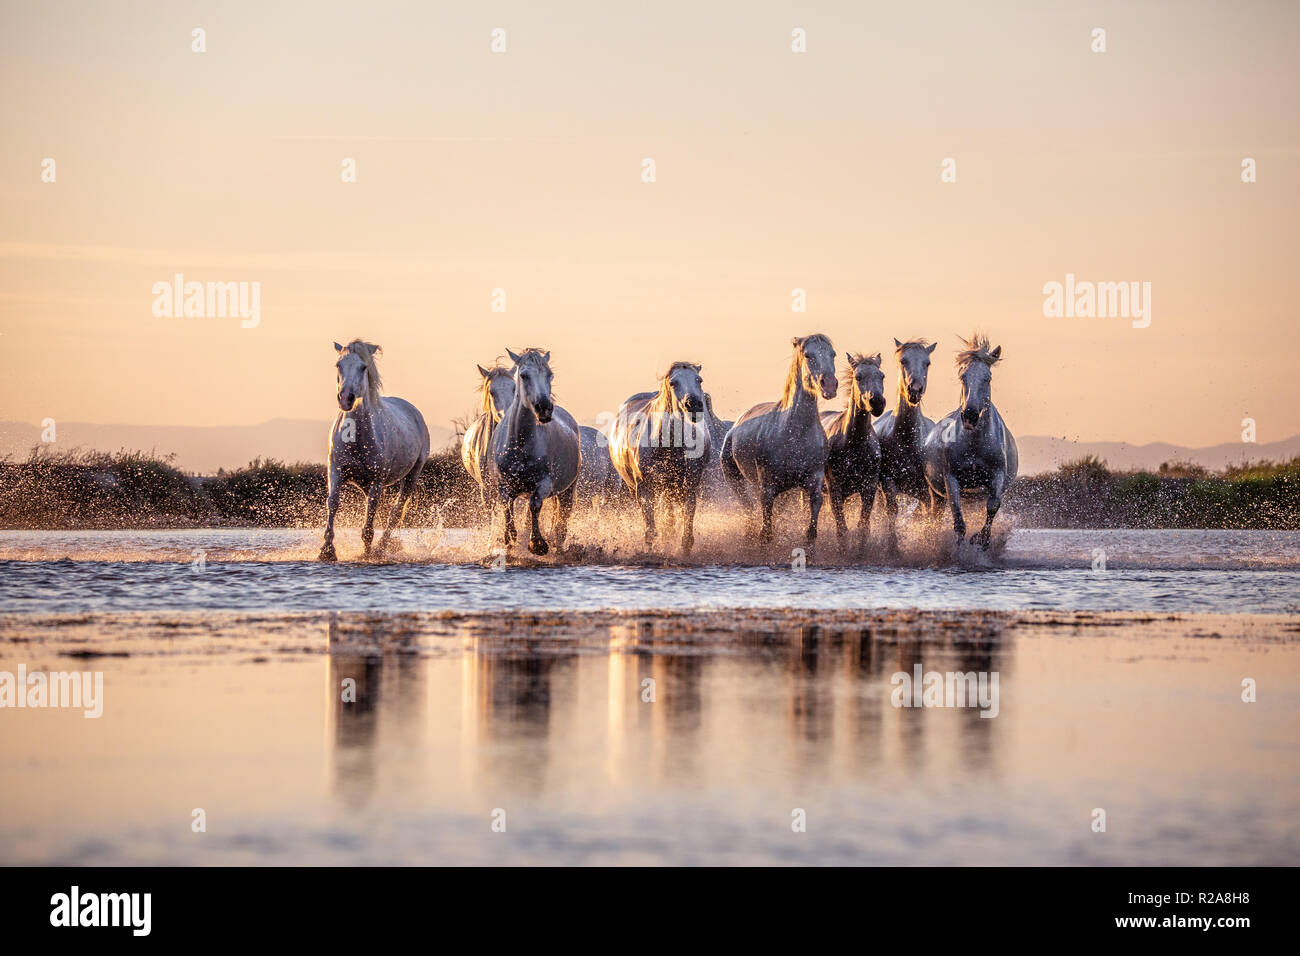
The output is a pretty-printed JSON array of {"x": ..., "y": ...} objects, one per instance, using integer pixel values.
[{"x": 1201, "y": 571}]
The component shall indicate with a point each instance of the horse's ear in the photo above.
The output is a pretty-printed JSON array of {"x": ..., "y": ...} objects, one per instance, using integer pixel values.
[
  {"x": 875, "y": 360},
  {"x": 513, "y": 357},
  {"x": 996, "y": 353},
  {"x": 547, "y": 357},
  {"x": 931, "y": 348},
  {"x": 796, "y": 341},
  {"x": 337, "y": 347},
  {"x": 699, "y": 369},
  {"x": 484, "y": 372},
  {"x": 897, "y": 344}
]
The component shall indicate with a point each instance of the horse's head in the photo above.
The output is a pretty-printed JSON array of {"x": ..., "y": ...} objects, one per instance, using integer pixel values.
[
  {"x": 685, "y": 387},
  {"x": 975, "y": 364},
  {"x": 914, "y": 363},
  {"x": 358, "y": 375},
  {"x": 868, "y": 382},
  {"x": 533, "y": 381},
  {"x": 817, "y": 364},
  {"x": 498, "y": 389}
]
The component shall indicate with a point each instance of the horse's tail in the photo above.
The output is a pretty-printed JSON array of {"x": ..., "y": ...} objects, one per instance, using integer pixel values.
[{"x": 732, "y": 471}]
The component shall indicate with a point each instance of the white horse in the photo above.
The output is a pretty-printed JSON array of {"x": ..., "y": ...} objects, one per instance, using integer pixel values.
[
  {"x": 778, "y": 446},
  {"x": 497, "y": 388},
  {"x": 971, "y": 449},
  {"x": 903, "y": 432},
  {"x": 376, "y": 441},
  {"x": 852, "y": 448},
  {"x": 535, "y": 450},
  {"x": 659, "y": 444}
]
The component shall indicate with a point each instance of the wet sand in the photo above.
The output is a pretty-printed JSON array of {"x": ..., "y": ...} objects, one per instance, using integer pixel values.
[{"x": 540, "y": 720}]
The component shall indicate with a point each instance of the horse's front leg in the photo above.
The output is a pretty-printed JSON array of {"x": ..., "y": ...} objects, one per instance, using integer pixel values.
[
  {"x": 868, "y": 495},
  {"x": 836, "y": 490},
  {"x": 954, "y": 501},
  {"x": 331, "y": 508},
  {"x": 689, "y": 498},
  {"x": 814, "y": 489},
  {"x": 996, "y": 484},
  {"x": 565, "y": 502},
  {"x": 536, "y": 543},
  {"x": 645, "y": 497},
  {"x": 373, "y": 491},
  {"x": 890, "y": 487},
  {"x": 507, "y": 502}
]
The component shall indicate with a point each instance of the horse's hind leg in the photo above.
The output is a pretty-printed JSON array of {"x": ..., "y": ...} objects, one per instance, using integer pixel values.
[
  {"x": 564, "y": 500},
  {"x": 372, "y": 505},
  {"x": 399, "y": 506},
  {"x": 768, "y": 498},
  {"x": 837, "y": 506},
  {"x": 327, "y": 552}
]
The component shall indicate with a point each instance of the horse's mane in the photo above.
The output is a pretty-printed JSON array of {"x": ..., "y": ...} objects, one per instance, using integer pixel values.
[
  {"x": 912, "y": 344},
  {"x": 792, "y": 380},
  {"x": 366, "y": 352},
  {"x": 975, "y": 349},
  {"x": 485, "y": 385},
  {"x": 663, "y": 402}
]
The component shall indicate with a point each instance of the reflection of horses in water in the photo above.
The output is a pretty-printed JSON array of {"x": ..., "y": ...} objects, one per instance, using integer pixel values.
[
  {"x": 780, "y": 446},
  {"x": 971, "y": 448},
  {"x": 535, "y": 451},
  {"x": 376, "y": 441},
  {"x": 852, "y": 448},
  {"x": 660, "y": 448},
  {"x": 903, "y": 432}
]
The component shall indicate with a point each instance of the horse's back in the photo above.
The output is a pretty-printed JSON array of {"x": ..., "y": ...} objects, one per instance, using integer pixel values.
[{"x": 409, "y": 417}]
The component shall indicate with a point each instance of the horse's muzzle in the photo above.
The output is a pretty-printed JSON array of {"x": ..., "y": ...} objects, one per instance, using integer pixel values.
[
  {"x": 970, "y": 417},
  {"x": 545, "y": 413},
  {"x": 877, "y": 405},
  {"x": 830, "y": 387},
  {"x": 914, "y": 395}
]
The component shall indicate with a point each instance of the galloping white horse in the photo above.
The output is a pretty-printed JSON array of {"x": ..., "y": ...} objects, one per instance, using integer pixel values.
[
  {"x": 496, "y": 389},
  {"x": 971, "y": 448},
  {"x": 535, "y": 450},
  {"x": 852, "y": 448},
  {"x": 659, "y": 444},
  {"x": 778, "y": 446},
  {"x": 903, "y": 432},
  {"x": 376, "y": 441}
]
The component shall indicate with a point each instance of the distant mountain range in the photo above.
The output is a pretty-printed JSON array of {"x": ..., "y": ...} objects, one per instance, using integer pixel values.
[{"x": 203, "y": 450}]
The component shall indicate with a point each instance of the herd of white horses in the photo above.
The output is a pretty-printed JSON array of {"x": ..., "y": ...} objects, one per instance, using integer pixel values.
[{"x": 665, "y": 446}]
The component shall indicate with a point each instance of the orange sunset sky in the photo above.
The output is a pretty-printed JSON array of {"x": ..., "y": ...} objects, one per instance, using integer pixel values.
[{"x": 776, "y": 170}]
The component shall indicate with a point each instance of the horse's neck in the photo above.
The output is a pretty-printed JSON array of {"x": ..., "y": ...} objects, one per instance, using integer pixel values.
[
  {"x": 519, "y": 422},
  {"x": 804, "y": 404},
  {"x": 369, "y": 416},
  {"x": 907, "y": 420},
  {"x": 859, "y": 423}
]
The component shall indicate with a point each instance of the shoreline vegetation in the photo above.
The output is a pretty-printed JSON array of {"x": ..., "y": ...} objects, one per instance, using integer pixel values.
[{"x": 71, "y": 489}]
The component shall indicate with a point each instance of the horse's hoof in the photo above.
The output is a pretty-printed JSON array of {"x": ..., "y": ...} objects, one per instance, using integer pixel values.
[
  {"x": 538, "y": 546},
  {"x": 327, "y": 554}
]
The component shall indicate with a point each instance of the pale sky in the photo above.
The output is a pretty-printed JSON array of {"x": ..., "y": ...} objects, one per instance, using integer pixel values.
[{"x": 775, "y": 170}]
